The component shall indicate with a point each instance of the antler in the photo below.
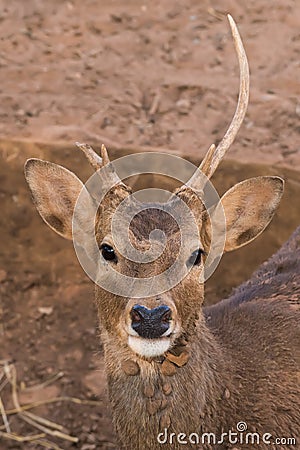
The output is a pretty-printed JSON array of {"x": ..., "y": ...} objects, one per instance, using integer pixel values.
[
  {"x": 214, "y": 155},
  {"x": 97, "y": 162}
]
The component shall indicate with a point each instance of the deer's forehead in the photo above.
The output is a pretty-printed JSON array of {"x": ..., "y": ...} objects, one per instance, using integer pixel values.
[
  {"x": 142, "y": 221},
  {"x": 150, "y": 219}
]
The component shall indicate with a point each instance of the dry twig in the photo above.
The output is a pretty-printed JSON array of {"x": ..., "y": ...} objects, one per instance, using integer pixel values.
[
  {"x": 4, "y": 416},
  {"x": 46, "y": 426},
  {"x": 46, "y": 383}
]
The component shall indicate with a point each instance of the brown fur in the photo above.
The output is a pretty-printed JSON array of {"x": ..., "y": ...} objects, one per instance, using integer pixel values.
[
  {"x": 244, "y": 365},
  {"x": 235, "y": 361}
]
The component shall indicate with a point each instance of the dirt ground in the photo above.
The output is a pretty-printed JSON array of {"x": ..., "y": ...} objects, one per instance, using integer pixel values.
[{"x": 134, "y": 75}]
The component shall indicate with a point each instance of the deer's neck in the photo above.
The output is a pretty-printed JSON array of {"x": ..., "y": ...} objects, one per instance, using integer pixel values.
[{"x": 179, "y": 393}]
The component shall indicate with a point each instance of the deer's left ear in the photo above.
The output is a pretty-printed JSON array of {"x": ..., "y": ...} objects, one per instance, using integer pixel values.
[
  {"x": 55, "y": 191},
  {"x": 249, "y": 207}
]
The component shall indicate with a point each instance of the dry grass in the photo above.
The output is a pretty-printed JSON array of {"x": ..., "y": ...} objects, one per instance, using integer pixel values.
[{"x": 46, "y": 428}]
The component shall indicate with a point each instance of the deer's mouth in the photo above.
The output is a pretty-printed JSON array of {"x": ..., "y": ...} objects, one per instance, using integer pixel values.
[
  {"x": 149, "y": 348},
  {"x": 151, "y": 330},
  {"x": 152, "y": 342}
]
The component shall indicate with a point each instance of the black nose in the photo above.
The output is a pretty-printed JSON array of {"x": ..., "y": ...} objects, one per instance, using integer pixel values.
[{"x": 150, "y": 323}]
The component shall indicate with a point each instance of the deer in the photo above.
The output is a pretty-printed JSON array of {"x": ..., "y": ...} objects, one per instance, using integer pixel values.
[{"x": 181, "y": 374}]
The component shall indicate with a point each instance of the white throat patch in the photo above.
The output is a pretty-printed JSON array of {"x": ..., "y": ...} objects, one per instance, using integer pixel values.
[{"x": 149, "y": 347}]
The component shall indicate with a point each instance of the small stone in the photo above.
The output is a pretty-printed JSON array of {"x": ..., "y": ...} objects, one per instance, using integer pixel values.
[
  {"x": 20, "y": 113},
  {"x": 153, "y": 406},
  {"x": 45, "y": 310},
  {"x": 3, "y": 275},
  {"x": 180, "y": 360},
  {"x": 167, "y": 368},
  {"x": 167, "y": 388},
  {"x": 131, "y": 368},
  {"x": 183, "y": 106},
  {"x": 165, "y": 421},
  {"x": 149, "y": 391}
]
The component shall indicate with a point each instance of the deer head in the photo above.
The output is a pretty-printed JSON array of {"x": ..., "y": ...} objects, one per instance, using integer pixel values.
[{"x": 150, "y": 326}]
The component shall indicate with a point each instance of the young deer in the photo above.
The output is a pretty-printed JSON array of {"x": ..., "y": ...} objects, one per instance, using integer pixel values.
[{"x": 176, "y": 370}]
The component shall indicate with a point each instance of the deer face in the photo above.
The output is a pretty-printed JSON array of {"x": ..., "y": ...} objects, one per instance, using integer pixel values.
[{"x": 149, "y": 325}]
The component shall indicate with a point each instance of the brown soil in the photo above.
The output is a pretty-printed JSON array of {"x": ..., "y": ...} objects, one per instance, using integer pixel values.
[{"x": 91, "y": 71}]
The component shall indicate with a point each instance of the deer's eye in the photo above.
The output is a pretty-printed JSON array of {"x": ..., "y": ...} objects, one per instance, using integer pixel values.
[
  {"x": 108, "y": 253},
  {"x": 196, "y": 256}
]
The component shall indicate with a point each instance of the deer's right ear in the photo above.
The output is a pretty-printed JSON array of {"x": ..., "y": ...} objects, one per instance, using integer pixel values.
[{"x": 55, "y": 191}]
